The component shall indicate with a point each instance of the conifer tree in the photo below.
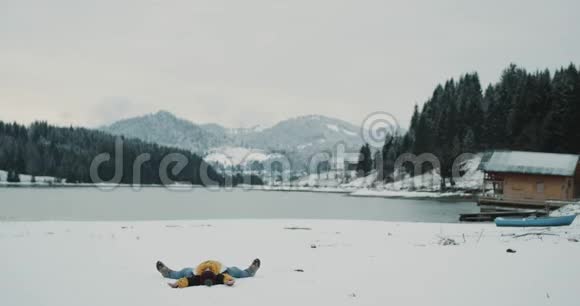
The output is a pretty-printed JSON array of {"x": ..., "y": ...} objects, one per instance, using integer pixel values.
[
  {"x": 523, "y": 111},
  {"x": 365, "y": 163}
]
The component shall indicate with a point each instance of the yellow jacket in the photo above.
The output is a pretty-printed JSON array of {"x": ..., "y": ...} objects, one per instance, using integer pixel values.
[{"x": 212, "y": 265}]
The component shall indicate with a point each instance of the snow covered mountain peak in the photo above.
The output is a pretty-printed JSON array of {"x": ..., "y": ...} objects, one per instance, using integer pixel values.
[
  {"x": 164, "y": 114},
  {"x": 166, "y": 129},
  {"x": 298, "y": 138}
]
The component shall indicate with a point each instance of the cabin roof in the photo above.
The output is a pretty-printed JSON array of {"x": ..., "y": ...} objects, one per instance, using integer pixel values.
[{"x": 530, "y": 163}]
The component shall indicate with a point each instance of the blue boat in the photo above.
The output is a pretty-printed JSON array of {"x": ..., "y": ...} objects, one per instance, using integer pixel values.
[{"x": 535, "y": 222}]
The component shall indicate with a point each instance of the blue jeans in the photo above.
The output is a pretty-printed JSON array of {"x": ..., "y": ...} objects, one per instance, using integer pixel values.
[
  {"x": 235, "y": 272},
  {"x": 186, "y": 272}
]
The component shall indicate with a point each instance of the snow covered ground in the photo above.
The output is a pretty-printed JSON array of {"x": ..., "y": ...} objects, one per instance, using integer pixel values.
[
  {"x": 407, "y": 194},
  {"x": 27, "y": 179},
  {"x": 234, "y": 156},
  {"x": 427, "y": 185},
  {"x": 331, "y": 179},
  {"x": 343, "y": 263},
  {"x": 471, "y": 179},
  {"x": 570, "y": 209}
]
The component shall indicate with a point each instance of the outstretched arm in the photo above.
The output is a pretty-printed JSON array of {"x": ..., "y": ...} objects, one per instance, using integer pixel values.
[
  {"x": 225, "y": 279},
  {"x": 186, "y": 282}
]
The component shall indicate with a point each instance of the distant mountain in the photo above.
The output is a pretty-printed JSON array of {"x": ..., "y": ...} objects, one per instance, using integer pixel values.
[
  {"x": 166, "y": 129},
  {"x": 297, "y": 138},
  {"x": 303, "y": 132}
]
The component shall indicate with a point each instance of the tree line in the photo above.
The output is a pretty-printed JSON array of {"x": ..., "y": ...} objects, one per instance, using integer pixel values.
[
  {"x": 527, "y": 111},
  {"x": 66, "y": 153}
]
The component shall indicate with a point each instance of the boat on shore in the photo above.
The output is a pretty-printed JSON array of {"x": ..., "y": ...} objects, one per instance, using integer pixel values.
[{"x": 535, "y": 221}]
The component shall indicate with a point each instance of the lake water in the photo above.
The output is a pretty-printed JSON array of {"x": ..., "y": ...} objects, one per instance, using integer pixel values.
[{"x": 92, "y": 204}]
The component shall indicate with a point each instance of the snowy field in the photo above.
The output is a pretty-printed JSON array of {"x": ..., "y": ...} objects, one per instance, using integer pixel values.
[
  {"x": 343, "y": 263},
  {"x": 27, "y": 179}
]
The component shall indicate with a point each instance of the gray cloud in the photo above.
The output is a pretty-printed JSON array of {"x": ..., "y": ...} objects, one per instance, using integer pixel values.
[
  {"x": 112, "y": 109},
  {"x": 249, "y": 62}
]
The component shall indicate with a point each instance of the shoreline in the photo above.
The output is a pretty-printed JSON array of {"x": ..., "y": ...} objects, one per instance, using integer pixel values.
[{"x": 351, "y": 192}]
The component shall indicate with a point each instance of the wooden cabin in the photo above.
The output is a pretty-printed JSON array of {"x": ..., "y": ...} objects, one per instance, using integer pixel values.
[{"x": 529, "y": 179}]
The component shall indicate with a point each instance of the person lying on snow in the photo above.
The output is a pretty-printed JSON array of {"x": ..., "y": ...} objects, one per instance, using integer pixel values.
[
  {"x": 207, "y": 278},
  {"x": 207, "y": 273}
]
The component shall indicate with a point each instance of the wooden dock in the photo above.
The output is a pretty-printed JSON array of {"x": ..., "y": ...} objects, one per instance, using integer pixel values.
[
  {"x": 489, "y": 216},
  {"x": 521, "y": 203}
]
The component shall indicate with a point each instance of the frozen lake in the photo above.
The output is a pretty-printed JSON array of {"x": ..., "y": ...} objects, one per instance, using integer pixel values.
[{"x": 92, "y": 204}]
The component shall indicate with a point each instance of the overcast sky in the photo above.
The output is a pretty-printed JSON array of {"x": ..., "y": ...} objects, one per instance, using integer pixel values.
[{"x": 241, "y": 63}]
